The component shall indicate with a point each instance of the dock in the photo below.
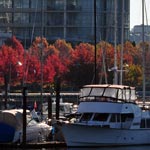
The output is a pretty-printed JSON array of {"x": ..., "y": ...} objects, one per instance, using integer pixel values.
[{"x": 34, "y": 145}]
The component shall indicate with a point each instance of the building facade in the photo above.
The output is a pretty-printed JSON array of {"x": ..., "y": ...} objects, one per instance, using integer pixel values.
[
  {"x": 72, "y": 20},
  {"x": 137, "y": 34}
]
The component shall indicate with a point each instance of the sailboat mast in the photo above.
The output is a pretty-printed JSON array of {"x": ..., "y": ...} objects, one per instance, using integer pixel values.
[
  {"x": 95, "y": 63},
  {"x": 115, "y": 44},
  {"x": 42, "y": 27},
  {"x": 122, "y": 42},
  {"x": 143, "y": 47}
]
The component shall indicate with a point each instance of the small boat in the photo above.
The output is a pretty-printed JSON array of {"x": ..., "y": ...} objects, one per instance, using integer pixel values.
[
  {"x": 109, "y": 116},
  {"x": 11, "y": 127},
  {"x": 65, "y": 108}
]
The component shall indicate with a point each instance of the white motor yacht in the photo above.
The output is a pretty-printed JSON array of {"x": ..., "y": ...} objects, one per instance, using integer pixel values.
[{"x": 109, "y": 116}]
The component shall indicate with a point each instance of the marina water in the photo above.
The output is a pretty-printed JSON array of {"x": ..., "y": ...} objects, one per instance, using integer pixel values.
[{"x": 95, "y": 148}]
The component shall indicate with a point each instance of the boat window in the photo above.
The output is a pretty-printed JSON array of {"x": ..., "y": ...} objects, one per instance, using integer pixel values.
[
  {"x": 142, "y": 125},
  {"x": 145, "y": 123},
  {"x": 61, "y": 108},
  {"x": 127, "y": 117},
  {"x": 121, "y": 117},
  {"x": 100, "y": 117},
  {"x": 148, "y": 123},
  {"x": 86, "y": 117},
  {"x": 115, "y": 118}
]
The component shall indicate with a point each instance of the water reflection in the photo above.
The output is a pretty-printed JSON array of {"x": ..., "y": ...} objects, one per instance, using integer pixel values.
[
  {"x": 116, "y": 148},
  {"x": 93, "y": 148}
]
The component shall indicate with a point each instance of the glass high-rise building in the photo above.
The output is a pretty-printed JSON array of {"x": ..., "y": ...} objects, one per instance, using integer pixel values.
[{"x": 72, "y": 20}]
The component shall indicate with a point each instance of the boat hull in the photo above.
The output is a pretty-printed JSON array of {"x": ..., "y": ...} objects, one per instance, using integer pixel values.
[
  {"x": 6, "y": 133},
  {"x": 77, "y": 135}
]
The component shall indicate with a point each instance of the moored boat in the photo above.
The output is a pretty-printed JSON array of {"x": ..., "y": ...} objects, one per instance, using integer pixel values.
[
  {"x": 109, "y": 116},
  {"x": 11, "y": 125}
]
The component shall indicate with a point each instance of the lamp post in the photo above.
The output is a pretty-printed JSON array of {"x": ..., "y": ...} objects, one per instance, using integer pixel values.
[{"x": 7, "y": 81}]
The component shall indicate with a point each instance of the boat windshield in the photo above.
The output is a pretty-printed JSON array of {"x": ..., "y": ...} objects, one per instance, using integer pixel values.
[
  {"x": 86, "y": 117},
  {"x": 123, "y": 93}
]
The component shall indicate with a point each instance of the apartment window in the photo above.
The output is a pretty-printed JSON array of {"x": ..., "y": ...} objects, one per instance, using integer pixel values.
[
  {"x": 55, "y": 4},
  {"x": 72, "y": 32},
  {"x": 71, "y": 19},
  {"x": 21, "y": 3},
  {"x": 71, "y": 4},
  {"x": 21, "y": 17},
  {"x": 57, "y": 32},
  {"x": 57, "y": 19},
  {"x": 59, "y": 4},
  {"x": 36, "y": 18},
  {"x": 6, "y": 4},
  {"x": 38, "y": 4},
  {"x": 5, "y": 17}
]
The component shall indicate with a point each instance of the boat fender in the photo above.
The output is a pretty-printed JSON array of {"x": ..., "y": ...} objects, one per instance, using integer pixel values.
[{"x": 53, "y": 132}]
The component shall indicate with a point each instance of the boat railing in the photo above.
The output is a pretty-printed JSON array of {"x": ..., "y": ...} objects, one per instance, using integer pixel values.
[{"x": 104, "y": 99}]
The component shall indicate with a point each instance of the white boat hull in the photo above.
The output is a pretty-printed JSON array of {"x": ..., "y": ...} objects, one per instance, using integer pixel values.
[{"x": 77, "y": 135}]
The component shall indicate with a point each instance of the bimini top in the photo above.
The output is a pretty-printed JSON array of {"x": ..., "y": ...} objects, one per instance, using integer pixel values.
[{"x": 113, "y": 92}]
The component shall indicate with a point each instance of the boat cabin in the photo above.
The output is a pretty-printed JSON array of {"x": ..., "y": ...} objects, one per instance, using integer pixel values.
[
  {"x": 115, "y": 120},
  {"x": 106, "y": 92},
  {"x": 111, "y": 106},
  {"x": 107, "y": 120}
]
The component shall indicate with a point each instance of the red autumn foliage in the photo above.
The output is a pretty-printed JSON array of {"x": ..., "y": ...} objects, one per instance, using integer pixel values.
[
  {"x": 65, "y": 50},
  {"x": 81, "y": 67},
  {"x": 56, "y": 63},
  {"x": 39, "y": 47},
  {"x": 49, "y": 57},
  {"x": 16, "y": 45},
  {"x": 83, "y": 54},
  {"x": 60, "y": 60},
  {"x": 10, "y": 65},
  {"x": 32, "y": 69}
]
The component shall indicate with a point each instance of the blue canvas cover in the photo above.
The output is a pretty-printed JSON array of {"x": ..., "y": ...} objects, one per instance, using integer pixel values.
[{"x": 6, "y": 133}]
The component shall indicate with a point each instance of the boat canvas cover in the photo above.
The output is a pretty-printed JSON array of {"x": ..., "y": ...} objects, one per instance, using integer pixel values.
[
  {"x": 12, "y": 117},
  {"x": 6, "y": 133},
  {"x": 119, "y": 92}
]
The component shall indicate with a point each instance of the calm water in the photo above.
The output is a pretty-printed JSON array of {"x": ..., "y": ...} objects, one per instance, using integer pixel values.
[{"x": 100, "y": 148}]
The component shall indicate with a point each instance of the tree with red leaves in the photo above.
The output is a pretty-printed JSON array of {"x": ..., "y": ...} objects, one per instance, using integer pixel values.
[
  {"x": 32, "y": 69},
  {"x": 65, "y": 51},
  {"x": 82, "y": 65},
  {"x": 11, "y": 64},
  {"x": 16, "y": 45},
  {"x": 49, "y": 58}
]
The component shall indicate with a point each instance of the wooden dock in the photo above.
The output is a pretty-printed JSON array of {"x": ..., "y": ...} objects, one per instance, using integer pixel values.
[{"x": 34, "y": 145}]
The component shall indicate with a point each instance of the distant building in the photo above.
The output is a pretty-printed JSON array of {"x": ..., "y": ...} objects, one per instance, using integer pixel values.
[
  {"x": 4, "y": 36},
  {"x": 72, "y": 20},
  {"x": 136, "y": 33}
]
